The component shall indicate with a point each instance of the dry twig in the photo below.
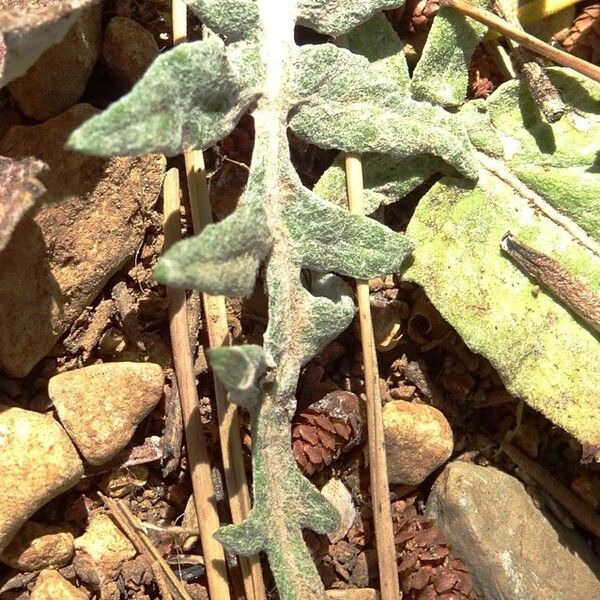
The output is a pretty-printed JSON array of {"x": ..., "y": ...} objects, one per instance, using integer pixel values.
[{"x": 384, "y": 534}]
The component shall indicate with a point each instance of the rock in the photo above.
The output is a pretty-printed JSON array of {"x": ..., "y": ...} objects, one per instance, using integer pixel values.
[
  {"x": 514, "y": 550},
  {"x": 353, "y": 594},
  {"x": 58, "y": 78},
  {"x": 51, "y": 585},
  {"x": 101, "y": 405},
  {"x": 128, "y": 50},
  {"x": 341, "y": 499},
  {"x": 90, "y": 221},
  {"x": 38, "y": 462},
  {"x": 38, "y": 546},
  {"x": 105, "y": 546},
  {"x": 418, "y": 439}
]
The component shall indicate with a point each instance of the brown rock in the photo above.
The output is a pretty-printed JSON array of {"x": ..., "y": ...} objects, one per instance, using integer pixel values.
[
  {"x": 90, "y": 221},
  {"x": 37, "y": 462},
  {"x": 418, "y": 439},
  {"x": 514, "y": 550},
  {"x": 58, "y": 78},
  {"x": 101, "y": 405},
  {"x": 51, "y": 585},
  {"x": 128, "y": 50},
  {"x": 105, "y": 546},
  {"x": 38, "y": 546}
]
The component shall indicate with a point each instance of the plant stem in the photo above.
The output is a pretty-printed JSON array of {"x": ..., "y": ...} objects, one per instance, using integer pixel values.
[
  {"x": 525, "y": 39},
  {"x": 202, "y": 483},
  {"x": 380, "y": 493}
]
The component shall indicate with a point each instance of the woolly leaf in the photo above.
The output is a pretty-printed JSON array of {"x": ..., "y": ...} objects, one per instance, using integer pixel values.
[
  {"x": 234, "y": 19},
  {"x": 330, "y": 238},
  {"x": 223, "y": 259},
  {"x": 239, "y": 368},
  {"x": 335, "y": 17},
  {"x": 441, "y": 75},
  {"x": 244, "y": 539},
  {"x": 541, "y": 182},
  {"x": 347, "y": 106},
  {"x": 189, "y": 98}
]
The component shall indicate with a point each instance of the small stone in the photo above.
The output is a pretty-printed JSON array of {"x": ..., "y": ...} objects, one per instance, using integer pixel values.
[
  {"x": 418, "y": 439},
  {"x": 38, "y": 462},
  {"x": 51, "y": 585},
  {"x": 514, "y": 550},
  {"x": 91, "y": 220},
  {"x": 58, "y": 78},
  {"x": 105, "y": 546},
  {"x": 353, "y": 594},
  {"x": 128, "y": 50},
  {"x": 38, "y": 546},
  {"x": 100, "y": 406},
  {"x": 341, "y": 499}
]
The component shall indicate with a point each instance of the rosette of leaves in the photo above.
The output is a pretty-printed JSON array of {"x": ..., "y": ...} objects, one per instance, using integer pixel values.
[{"x": 193, "y": 96}]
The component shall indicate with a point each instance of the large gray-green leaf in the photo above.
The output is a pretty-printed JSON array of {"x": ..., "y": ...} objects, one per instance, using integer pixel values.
[
  {"x": 189, "y": 98},
  {"x": 441, "y": 75},
  {"x": 335, "y": 17},
  {"x": 344, "y": 104},
  {"x": 234, "y": 19},
  {"x": 543, "y": 187}
]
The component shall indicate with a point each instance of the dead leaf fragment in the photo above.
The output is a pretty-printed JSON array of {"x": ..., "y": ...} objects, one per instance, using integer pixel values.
[{"x": 19, "y": 187}]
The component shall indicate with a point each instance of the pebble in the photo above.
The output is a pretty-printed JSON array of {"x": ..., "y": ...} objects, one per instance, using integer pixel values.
[
  {"x": 91, "y": 220},
  {"x": 353, "y": 594},
  {"x": 128, "y": 50},
  {"x": 38, "y": 462},
  {"x": 105, "y": 546},
  {"x": 51, "y": 585},
  {"x": 39, "y": 546},
  {"x": 100, "y": 406},
  {"x": 514, "y": 550},
  {"x": 341, "y": 499},
  {"x": 418, "y": 440},
  {"x": 58, "y": 78}
]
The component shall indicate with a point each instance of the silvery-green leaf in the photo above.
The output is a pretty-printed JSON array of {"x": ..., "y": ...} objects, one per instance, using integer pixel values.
[
  {"x": 343, "y": 104},
  {"x": 223, "y": 259},
  {"x": 233, "y": 19},
  {"x": 543, "y": 187},
  {"x": 385, "y": 179},
  {"x": 334, "y": 17},
  {"x": 441, "y": 75},
  {"x": 189, "y": 98}
]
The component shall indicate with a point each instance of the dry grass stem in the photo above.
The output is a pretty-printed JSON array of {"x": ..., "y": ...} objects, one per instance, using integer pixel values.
[{"x": 386, "y": 549}]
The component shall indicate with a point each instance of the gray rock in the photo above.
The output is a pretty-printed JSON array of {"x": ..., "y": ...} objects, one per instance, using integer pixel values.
[
  {"x": 127, "y": 50},
  {"x": 90, "y": 221},
  {"x": 58, "y": 78},
  {"x": 514, "y": 550},
  {"x": 101, "y": 405},
  {"x": 37, "y": 461}
]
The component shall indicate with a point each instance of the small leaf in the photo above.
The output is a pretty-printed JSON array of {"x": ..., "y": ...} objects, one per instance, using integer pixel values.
[
  {"x": 442, "y": 73},
  {"x": 190, "y": 97},
  {"x": 19, "y": 187},
  {"x": 334, "y": 17},
  {"x": 239, "y": 368},
  {"x": 234, "y": 19},
  {"x": 328, "y": 238},
  {"x": 223, "y": 259},
  {"x": 244, "y": 539},
  {"x": 343, "y": 104}
]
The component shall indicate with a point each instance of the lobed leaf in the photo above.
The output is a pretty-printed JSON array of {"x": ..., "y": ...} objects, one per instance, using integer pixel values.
[
  {"x": 190, "y": 97},
  {"x": 335, "y": 17},
  {"x": 223, "y": 259},
  {"x": 234, "y": 19},
  {"x": 441, "y": 75}
]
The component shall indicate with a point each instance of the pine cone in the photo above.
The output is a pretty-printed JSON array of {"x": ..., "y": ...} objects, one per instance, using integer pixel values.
[
  {"x": 582, "y": 39},
  {"x": 484, "y": 74},
  {"x": 426, "y": 567},
  {"x": 326, "y": 429},
  {"x": 418, "y": 14}
]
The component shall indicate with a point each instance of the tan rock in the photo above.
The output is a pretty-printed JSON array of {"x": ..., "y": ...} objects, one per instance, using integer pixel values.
[
  {"x": 58, "y": 78},
  {"x": 101, "y": 405},
  {"x": 51, "y": 585},
  {"x": 90, "y": 221},
  {"x": 38, "y": 546},
  {"x": 353, "y": 594},
  {"x": 128, "y": 50},
  {"x": 105, "y": 545},
  {"x": 418, "y": 439},
  {"x": 37, "y": 461}
]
